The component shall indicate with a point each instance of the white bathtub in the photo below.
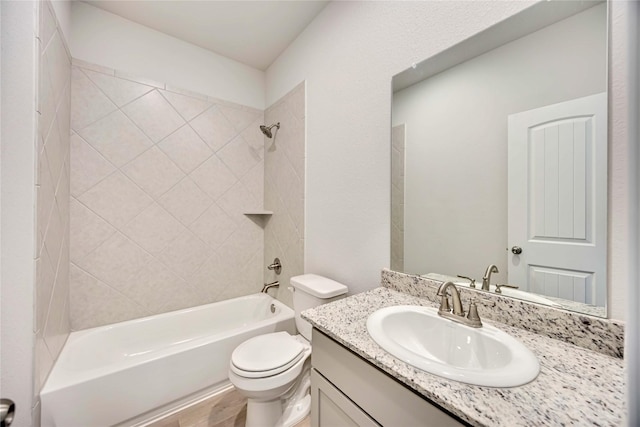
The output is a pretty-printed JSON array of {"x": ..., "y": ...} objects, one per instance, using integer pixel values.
[{"x": 124, "y": 373}]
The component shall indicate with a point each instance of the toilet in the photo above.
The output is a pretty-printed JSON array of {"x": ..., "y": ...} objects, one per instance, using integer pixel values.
[{"x": 273, "y": 370}]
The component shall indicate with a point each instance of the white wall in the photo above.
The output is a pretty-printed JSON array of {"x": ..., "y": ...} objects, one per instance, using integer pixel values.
[
  {"x": 106, "y": 39},
  {"x": 631, "y": 25},
  {"x": 456, "y": 171},
  {"x": 19, "y": 67},
  {"x": 348, "y": 55}
]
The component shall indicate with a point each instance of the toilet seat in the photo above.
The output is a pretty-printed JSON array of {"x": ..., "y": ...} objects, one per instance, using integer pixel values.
[{"x": 266, "y": 355}]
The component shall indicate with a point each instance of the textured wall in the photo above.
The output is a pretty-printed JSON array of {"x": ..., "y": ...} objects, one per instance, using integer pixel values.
[
  {"x": 284, "y": 189},
  {"x": 52, "y": 206},
  {"x": 160, "y": 179}
]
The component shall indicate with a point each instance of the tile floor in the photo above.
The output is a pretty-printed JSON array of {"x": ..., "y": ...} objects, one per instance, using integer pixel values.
[{"x": 225, "y": 410}]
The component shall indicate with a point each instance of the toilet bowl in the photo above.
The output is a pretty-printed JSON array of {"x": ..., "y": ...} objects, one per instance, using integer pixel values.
[{"x": 273, "y": 370}]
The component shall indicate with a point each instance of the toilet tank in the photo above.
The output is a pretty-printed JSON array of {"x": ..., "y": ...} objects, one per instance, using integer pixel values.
[{"x": 311, "y": 290}]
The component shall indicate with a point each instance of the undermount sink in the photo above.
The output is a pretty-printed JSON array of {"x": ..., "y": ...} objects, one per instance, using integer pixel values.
[{"x": 483, "y": 356}]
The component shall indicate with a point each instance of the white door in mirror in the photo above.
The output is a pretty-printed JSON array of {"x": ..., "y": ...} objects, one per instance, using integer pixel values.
[{"x": 557, "y": 195}]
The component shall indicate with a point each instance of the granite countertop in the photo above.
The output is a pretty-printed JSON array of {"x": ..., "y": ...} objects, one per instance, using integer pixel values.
[{"x": 575, "y": 386}]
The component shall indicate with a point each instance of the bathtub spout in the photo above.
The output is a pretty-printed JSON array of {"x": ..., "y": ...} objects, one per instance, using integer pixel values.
[{"x": 267, "y": 286}]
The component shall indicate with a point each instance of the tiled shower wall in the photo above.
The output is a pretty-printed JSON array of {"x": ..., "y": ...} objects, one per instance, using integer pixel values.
[
  {"x": 160, "y": 179},
  {"x": 52, "y": 188},
  {"x": 284, "y": 189},
  {"x": 397, "y": 197}
]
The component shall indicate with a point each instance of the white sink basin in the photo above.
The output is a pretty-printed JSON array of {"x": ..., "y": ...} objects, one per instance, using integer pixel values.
[{"x": 483, "y": 356}]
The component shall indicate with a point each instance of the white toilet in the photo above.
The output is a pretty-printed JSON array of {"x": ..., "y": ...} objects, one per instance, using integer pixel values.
[{"x": 273, "y": 370}]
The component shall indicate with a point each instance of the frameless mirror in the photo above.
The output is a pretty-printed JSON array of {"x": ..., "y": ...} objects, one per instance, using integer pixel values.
[{"x": 499, "y": 156}]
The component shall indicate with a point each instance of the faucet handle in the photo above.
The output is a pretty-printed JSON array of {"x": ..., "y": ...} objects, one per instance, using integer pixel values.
[
  {"x": 473, "y": 316},
  {"x": 499, "y": 291},
  {"x": 472, "y": 282}
]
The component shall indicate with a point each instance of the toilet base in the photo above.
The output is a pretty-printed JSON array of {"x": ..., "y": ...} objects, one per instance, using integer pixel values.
[{"x": 286, "y": 411}]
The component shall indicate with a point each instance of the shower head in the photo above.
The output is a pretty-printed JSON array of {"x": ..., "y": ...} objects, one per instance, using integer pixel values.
[{"x": 267, "y": 130}]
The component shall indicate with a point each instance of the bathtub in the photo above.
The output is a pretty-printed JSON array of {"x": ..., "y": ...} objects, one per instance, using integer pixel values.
[{"x": 129, "y": 372}]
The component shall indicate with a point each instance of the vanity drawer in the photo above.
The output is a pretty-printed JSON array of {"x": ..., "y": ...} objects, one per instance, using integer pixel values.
[{"x": 383, "y": 398}]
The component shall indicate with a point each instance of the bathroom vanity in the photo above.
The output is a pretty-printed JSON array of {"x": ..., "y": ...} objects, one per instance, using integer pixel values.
[
  {"x": 348, "y": 391},
  {"x": 355, "y": 382}
]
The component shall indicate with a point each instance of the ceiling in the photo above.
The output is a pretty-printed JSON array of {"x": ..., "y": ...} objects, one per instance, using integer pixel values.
[{"x": 254, "y": 33}]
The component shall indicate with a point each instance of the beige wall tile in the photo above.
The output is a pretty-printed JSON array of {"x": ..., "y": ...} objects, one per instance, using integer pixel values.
[
  {"x": 144, "y": 237},
  {"x": 213, "y": 177},
  {"x": 120, "y": 91},
  {"x": 185, "y": 148},
  {"x": 187, "y": 106},
  {"x": 115, "y": 261},
  {"x": 153, "y": 229},
  {"x": 94, "y": 303},
  {"x": 89, "y": 166},
  {"x": 87, "y": 231},
  {"x": 214, "y": 128},
  {"x": 185, "y": 201},
  {"x": 116, "y": 199},
  {"x": 238, "y": 200},
  {"x": 52, "y": 204},
  {"x": 214, "y": 226},
  {"x": 116, "y": 138},
  {"x": 239, "y": 118},
  {"x": 154, "y": 172},
  {"x": 238, "y": 156},
  {"x": 284, "y": 188},
  {"x": 59, "y": 68},
  {"x": 88, "y": 103},
  {"x": 185, "y": 254},
  {"x": 154, "y": 116}
]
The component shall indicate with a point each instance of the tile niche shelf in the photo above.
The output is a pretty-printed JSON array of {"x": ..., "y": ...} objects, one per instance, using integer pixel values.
[
  {"x": 259, "y": 212},
  {"x": 258, "y": 216}
]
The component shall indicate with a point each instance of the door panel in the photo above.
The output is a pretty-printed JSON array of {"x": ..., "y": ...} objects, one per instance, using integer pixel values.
[{"x": 557, "y": 199}]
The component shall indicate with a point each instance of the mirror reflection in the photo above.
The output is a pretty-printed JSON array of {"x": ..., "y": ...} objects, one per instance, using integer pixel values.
[{"x": 499, "y": 154}]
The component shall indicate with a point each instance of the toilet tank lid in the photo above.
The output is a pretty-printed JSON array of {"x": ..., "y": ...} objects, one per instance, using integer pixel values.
[{"x": 318, "y": 286}]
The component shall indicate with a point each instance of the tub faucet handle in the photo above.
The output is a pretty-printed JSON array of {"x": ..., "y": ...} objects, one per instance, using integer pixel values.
[{"x": 275, "y": 266}]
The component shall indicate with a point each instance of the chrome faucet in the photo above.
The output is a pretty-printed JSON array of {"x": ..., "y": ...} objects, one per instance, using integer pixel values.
[
  {"x": 472, "y": 319},
  {"x": 486, "y": 280},
  {"x": 268, "y": 286}
]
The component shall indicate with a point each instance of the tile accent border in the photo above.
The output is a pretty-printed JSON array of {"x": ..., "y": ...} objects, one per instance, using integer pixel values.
[{"x": 604, "y": 336}]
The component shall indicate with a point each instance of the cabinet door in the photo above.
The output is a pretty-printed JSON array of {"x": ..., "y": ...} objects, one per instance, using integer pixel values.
[
  {"x": 330, "y": 408},
  {"x": 383, "y": 398}
]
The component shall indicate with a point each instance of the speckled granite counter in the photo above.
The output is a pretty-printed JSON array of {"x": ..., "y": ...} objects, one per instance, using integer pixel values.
[{"x": 575, "y": 386}]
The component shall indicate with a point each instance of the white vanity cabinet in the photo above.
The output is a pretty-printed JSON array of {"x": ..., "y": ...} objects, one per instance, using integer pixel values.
[{"x": 348, "y": 391}]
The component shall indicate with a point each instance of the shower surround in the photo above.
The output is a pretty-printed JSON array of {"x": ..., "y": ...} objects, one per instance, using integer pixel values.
[
  {"x": 284, "y": 178},
  {"x": 160, "y": 181}
]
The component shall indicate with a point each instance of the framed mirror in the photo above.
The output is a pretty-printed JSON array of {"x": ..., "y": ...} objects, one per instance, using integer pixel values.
[{"x": 499, "y": 157}]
